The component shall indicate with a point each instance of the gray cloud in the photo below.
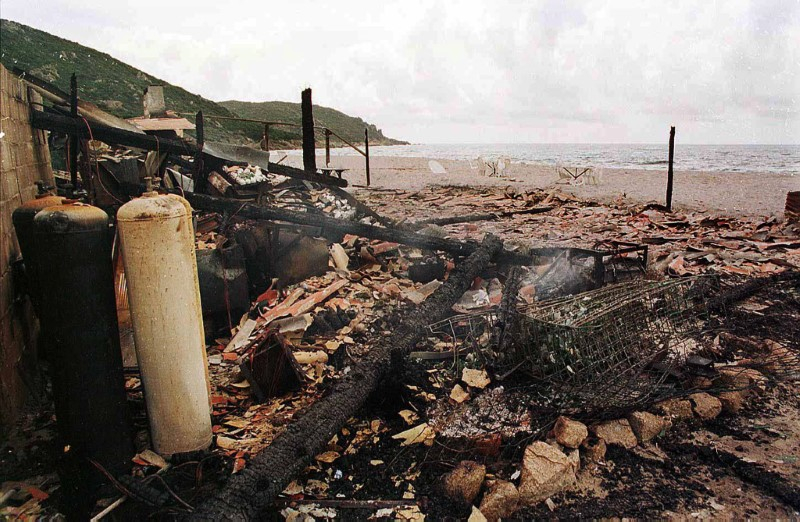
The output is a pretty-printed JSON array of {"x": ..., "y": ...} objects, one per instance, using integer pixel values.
[{"x": 542, "y": 70}]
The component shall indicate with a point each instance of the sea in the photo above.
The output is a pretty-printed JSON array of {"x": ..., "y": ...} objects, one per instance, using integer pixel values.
[{"x": 783, "y": 159}]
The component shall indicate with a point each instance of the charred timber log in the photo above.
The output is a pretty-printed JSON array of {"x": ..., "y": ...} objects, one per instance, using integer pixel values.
[
  {"x": 256, "y": 487},
  {"x": 750, "y": 288},
  {"x": 334, "y": 229},
  {"x": 489, "y": 216},
  {"x": 508, "y": 306}
]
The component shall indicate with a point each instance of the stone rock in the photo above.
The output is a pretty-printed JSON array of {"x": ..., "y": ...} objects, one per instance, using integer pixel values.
[
  {"x": 705, "y": 406},
  {"x": 779, "y": 356},
  {"x": 545, "y": 472},
  {"x": 733, "y": 378},
  {"x": 732, "y": 401},
  {"x": 574, "y": 457},
  {"x": 617, "y": 432},
  {"x": 476, "y": 516},
  {"x": 647, "y": 426},
  {"x": 594, "y": 451},
  {"x": 464, "y": 483},
  {"x": 701, "y": 383},
  {"x": 651, "y": 452},
  {"x": 676, "y": 408},
  {"x": 570, "y": 433},
  {"x": 500, "y": 501}
]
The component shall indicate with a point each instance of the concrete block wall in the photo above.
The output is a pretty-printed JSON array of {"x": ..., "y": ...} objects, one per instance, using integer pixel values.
[{"x": 24, "y": 160}]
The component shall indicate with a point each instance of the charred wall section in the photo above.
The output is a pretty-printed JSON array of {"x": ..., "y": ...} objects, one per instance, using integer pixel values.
[{"x": 24, "y": 160}]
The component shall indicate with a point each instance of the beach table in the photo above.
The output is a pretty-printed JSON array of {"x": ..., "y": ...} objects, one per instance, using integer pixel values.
[
  {"x": 576, "y": 172},
  {"x": 329, "y": 171}
]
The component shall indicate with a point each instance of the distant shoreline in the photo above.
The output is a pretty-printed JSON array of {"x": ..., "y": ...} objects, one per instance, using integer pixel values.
[
  {"x": 746, "y": 193},
  {"x": 700, "y": 158}
]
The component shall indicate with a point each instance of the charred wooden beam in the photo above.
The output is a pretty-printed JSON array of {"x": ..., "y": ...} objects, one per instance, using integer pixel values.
[
  {"x": 488, "y": 216},
  {"x": 307, "y": 119},
  {"x": 331, "y": 228},
  {"x": 669, "y": 167},
  {"x": 78, "y": 127},
  {"x": 334, "y": 229},
  {"x": 750, "y": 288},
  {"x": 249, "y": 492}
]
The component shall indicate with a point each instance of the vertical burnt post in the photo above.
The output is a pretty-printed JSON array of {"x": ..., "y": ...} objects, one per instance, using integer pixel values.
[
  {"x": 669, "y": 168},
  {"x": 327, "y": 147},
  {"x": 266, "y": 137},
  {"x": 73, "y": 139},
  {"x": 309, "y": 154},
  {"x": 199, "y": 179},
  {"x": 366, "y": 151}
]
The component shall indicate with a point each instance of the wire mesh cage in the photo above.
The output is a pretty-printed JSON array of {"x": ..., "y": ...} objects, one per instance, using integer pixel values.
[
  {"x": 763, "y": 332},
  {"x": 463, "y": 335},
  {"x": 623, "y": 347},
  {"x": 609, "y": 349}
]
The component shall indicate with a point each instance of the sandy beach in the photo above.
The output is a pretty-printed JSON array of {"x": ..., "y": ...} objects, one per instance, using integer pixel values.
[{"x": 724, "y": 193}]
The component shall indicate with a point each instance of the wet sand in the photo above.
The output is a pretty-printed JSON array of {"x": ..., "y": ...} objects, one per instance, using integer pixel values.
[{"x": 724, "y": 193}]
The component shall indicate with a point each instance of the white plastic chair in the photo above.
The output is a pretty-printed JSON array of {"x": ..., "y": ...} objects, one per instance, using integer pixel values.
[
  {"x": 562, "y": 174},
  {"x": 436, "y": 167}
]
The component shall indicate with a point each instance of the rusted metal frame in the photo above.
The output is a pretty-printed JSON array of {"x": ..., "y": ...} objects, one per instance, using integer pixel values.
[
  {"x": 56, "y": 96},
  {"x": 346, "y": 142},
  {"x": 246, "y": 120},
  {"x": 267, "y": 124},
  {"x": 68, "y": 125},
  {"x": 73, "y": 138}
]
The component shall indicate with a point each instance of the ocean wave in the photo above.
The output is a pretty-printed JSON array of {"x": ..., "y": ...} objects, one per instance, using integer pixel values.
[{"x": 718, "y": 158}]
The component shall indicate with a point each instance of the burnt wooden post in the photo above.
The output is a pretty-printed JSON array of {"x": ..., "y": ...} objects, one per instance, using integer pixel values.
[
  {"x": 366, "y": 151},
  {"x": 199, "y": 179},
  {"x": 309, "y": 153},
  {"x": 327, "y": 147},
  {"x": 266, "y": 137},
  {"x": 73, "y": 138},
  {"x": 669, "y": 168}
]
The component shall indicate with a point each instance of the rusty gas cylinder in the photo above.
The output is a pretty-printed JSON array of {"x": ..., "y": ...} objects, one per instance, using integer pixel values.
[{"x": 158, "y": 249}]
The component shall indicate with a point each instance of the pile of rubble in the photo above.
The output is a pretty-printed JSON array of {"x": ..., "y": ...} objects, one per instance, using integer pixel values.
[{"x": 293, "y": 317}]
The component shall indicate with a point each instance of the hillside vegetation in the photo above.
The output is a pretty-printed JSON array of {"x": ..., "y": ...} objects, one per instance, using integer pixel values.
[
  {"x": 117, "y": 88},
  {"x": 349, "y": 127}
]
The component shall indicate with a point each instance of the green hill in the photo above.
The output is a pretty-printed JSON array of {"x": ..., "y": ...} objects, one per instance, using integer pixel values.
[
  {"x": 348, "y": 127},
  {"x": 117, "y": 88}
]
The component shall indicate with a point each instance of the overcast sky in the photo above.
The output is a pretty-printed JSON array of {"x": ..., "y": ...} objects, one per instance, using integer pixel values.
[{"x": 464, "y": 71}]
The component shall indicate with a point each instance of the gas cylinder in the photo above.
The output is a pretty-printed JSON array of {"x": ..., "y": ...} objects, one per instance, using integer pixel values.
[
  {"x": 23, "y": 225},
  {"x": 73, "y": 245},
  {"x": 158, "y": 251}
]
